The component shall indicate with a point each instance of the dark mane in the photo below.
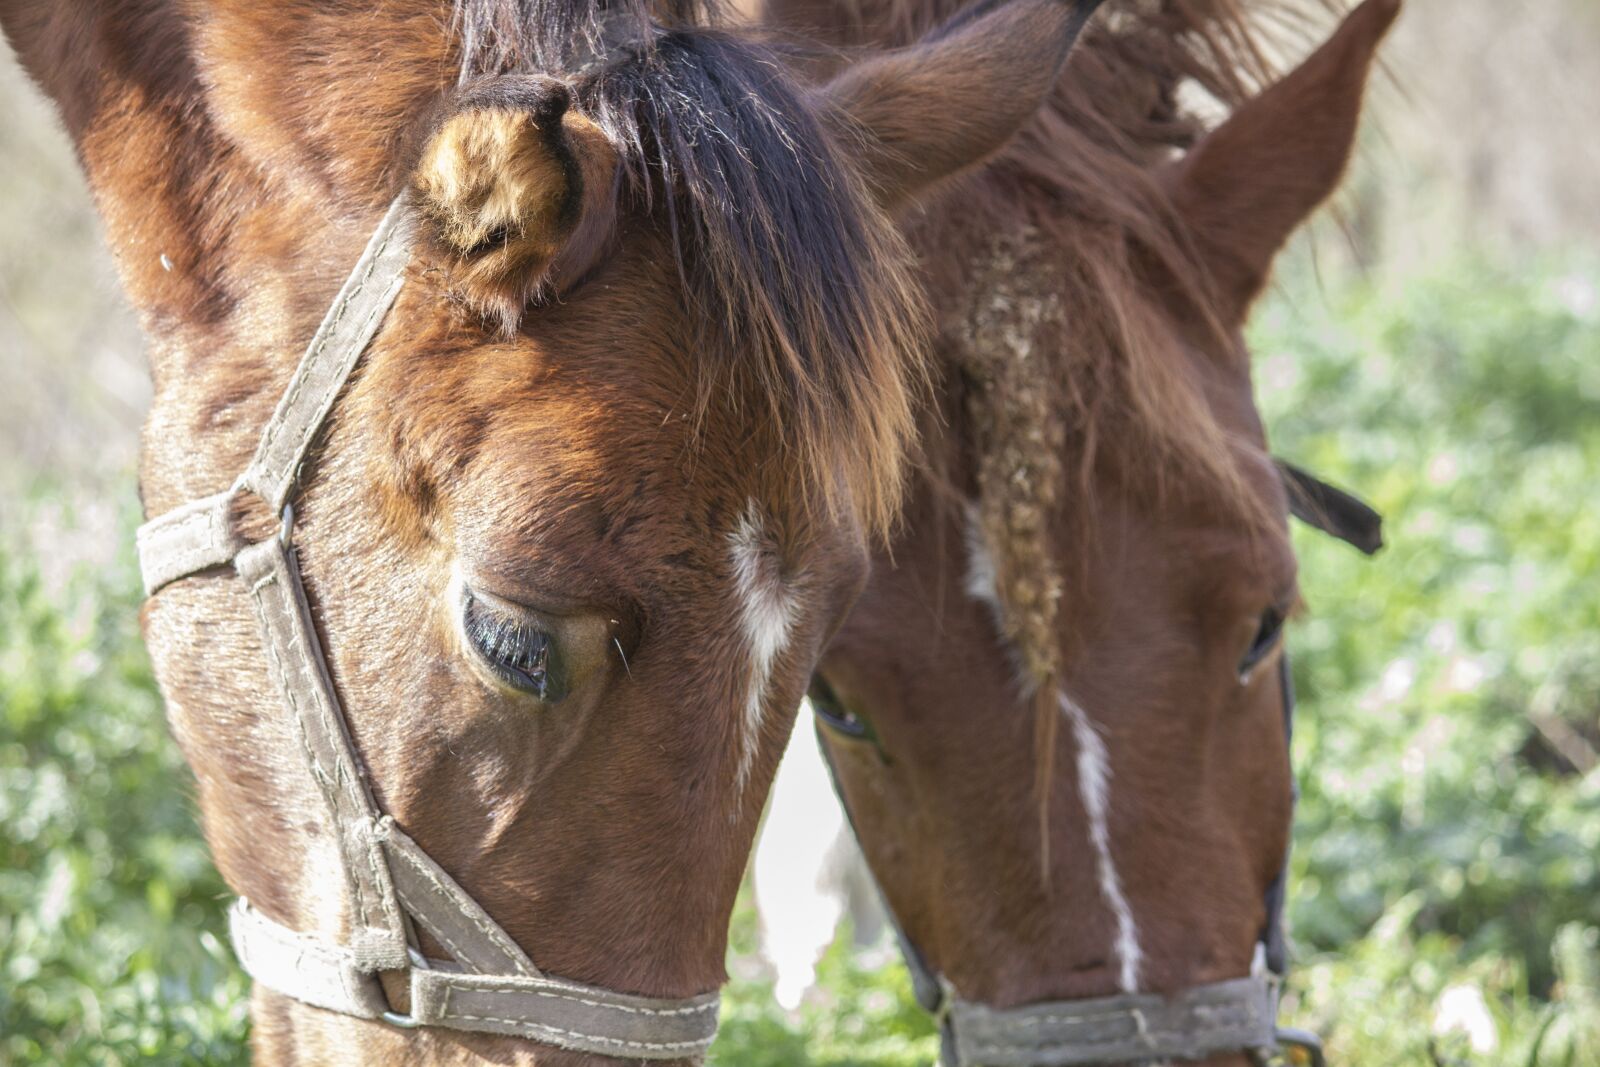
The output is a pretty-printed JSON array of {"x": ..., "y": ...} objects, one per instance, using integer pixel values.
[{"x": 800, "y": 286}]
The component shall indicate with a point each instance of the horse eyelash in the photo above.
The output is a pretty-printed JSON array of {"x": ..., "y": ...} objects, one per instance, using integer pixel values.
[{"x": 507, "y": 644}]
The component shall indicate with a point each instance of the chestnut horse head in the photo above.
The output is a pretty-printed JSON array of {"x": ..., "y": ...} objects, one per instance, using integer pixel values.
[
  {"x": 598, "y": 486},
  {"x": 1056, "y": 712}
]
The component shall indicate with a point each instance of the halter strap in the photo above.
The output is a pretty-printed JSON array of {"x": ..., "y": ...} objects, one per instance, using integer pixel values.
[
  {"x": 1230, "y": 1016},
  {"x": 489, "y": 984}
]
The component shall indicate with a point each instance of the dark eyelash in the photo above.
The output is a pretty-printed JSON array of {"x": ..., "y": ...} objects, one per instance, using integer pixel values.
[
  {"x": 517, "y": 652},
  {"x": 1268, "y": 634},
  {"x": 826, "y": 703}
]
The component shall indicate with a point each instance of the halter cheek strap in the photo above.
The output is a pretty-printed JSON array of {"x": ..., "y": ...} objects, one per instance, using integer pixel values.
[{"x": 389, "y": 884}]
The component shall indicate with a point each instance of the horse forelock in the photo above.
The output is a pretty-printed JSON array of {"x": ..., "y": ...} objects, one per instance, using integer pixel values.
[{"x": 799, "y": 288}]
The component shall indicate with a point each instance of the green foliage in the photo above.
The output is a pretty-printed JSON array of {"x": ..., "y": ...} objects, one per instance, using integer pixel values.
[
  {"x": 110, "y": 910},
  {"x": 1451, "y": 687},
  {"x": 1448, "y": 847},
  {"x": 863, "y": 1014}
]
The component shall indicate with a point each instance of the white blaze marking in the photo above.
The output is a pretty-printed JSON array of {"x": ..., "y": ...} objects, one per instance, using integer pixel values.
[
  {"x": 1094, "y": 762},
  {"x": 1094, "y": 787},
  {"x": 767, "y": 610}
]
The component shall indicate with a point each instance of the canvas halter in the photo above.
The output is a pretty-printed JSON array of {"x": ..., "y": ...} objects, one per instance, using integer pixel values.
[
  {"x": 489, "y": 985},
  {"x": 1234, "y": 1015}
]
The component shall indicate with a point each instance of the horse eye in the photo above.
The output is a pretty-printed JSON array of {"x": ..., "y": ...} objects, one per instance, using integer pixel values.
[
  {"x": 1267, "y": 636},
  {"x": 519, "y": 653},
  {"x": 831, "y": 710}
]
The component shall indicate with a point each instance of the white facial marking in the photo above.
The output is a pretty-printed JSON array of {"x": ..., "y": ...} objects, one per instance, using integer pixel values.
[
  {"x": 981, "y": 583},
  {"x": 767, "y": 610},
  {"x": 1094, "y": 788}
]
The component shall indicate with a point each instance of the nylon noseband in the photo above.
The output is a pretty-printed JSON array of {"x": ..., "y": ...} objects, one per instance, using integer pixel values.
[
  {"x": 1235, "y": 1015},
  {"x": 389, "y": 884}
]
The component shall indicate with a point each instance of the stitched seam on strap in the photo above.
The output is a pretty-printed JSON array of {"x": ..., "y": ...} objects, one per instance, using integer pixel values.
[
  {"x": 444, "y": 939},
  {"x": 352, "y": 883},
  {"x": 660, "y": 1046},
  {"x": 189, "y": 558},
  {"x": 385, "y": 900},
  {"x": 1241, "y": 1014},
  {"x": 1149, "y": 1038},
  {"x": 1237, "y": 1010},
  {"x": 334, "y": 731},
  {"x": 1149, "y": 1044},
  {"x": 497, "y": 937},
  {"x": 698, "y": 1009},
  {"x": 163, "y": 530},
  {"x": 270, "y": 434},
  {"x": 1043, "y": 1020}
]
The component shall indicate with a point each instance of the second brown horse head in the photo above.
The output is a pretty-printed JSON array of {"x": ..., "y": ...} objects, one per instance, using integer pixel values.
[{"x": 1056, "y": 712}]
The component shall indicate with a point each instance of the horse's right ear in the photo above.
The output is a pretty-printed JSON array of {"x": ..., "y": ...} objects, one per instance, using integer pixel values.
[
  {"x": 923, "y": 113},
  {"x": 515, "y": 194}
]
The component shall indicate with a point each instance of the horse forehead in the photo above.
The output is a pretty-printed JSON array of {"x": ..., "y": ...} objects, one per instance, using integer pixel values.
[
  {"x": 600, "y": 482},
  {"x": 585, "y": 430}
]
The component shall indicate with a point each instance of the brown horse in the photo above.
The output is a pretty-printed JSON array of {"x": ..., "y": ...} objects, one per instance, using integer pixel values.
[
  {"x": 614, "y": 441},
  {"x": 1056, "y": 712}
]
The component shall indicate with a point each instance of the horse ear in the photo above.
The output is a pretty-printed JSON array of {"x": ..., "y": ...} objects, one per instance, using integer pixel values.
[
  {"x": 923, "y": 113},
  {"x": 515, "y": 194},
  {"x": 1251, "y": 182}
]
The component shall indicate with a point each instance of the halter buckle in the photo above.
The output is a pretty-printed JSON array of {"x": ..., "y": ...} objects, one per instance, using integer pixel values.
[
  {"x": 1304, "y": 1047},
  {"x": 286, "y": 526},
  {"x": 406, "y": 1020}
]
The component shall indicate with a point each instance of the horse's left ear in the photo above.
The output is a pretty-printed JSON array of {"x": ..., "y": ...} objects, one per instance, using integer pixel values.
[
  {"x": 515, "y": 194},
  {"x": 1250, "y": 183}
]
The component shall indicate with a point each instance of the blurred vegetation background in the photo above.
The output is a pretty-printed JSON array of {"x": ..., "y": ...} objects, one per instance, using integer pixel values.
[{"x": 1438, "y": 351}]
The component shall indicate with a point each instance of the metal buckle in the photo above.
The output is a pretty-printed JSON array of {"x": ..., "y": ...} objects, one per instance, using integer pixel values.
[
  {"x": 1304, "y": 1047},
  {"x": 286, "y": 527},
  {"x": 405, "y": 1020}
]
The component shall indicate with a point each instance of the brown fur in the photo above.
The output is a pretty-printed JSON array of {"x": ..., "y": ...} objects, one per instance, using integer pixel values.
[
  {"x": 1095, "y": 410},
  {"x": 731, "y": 329}
]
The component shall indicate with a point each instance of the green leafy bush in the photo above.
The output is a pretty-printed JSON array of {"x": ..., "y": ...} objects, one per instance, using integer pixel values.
[
  {"x": 110, "y": 910},
  {"x": 1450, "y": 826},
  {"x": 863, "y": 1014}
]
